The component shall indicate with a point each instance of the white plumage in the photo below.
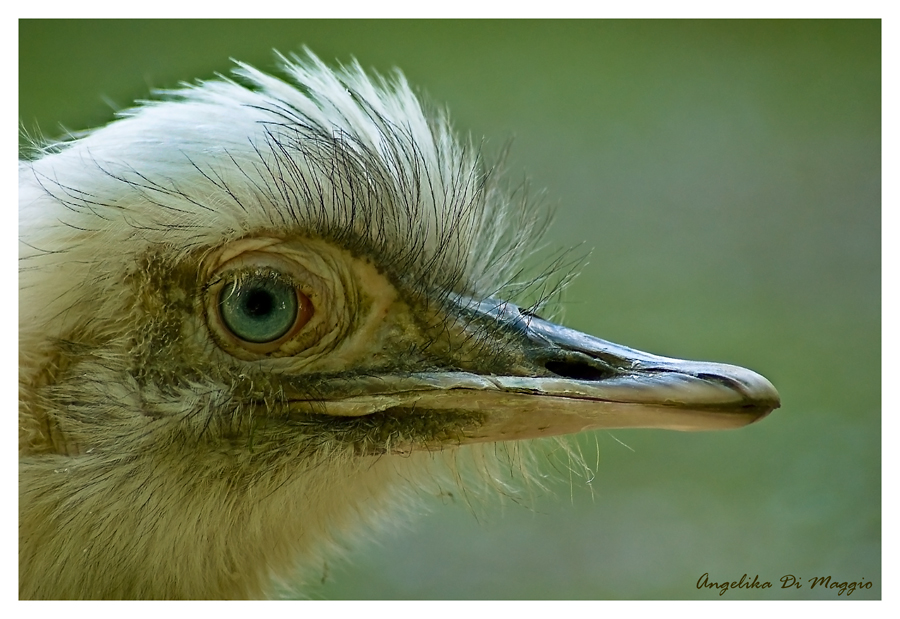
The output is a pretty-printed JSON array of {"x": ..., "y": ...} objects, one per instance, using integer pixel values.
[{"x": 247, "y": 309}]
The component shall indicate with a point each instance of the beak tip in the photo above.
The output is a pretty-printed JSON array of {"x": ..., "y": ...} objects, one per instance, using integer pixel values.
[
  {"x": 761, "y": 391},
  {"x": 755, "y": 389}
]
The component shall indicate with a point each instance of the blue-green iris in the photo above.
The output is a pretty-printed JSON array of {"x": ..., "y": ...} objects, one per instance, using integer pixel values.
[{"x": 258, "y": 310}]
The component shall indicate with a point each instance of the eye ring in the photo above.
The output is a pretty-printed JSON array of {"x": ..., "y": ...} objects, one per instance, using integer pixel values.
[{"x": 260, "y": 310}]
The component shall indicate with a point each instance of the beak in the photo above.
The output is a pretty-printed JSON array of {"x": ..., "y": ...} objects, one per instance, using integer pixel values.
[{"x": 567, "y": 382}]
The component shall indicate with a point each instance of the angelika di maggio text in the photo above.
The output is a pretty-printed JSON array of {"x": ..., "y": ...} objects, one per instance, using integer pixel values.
[{"x": 788, "y": 581}]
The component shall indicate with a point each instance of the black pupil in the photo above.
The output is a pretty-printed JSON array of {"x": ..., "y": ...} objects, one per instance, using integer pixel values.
[{"x": 258, "y": 303}]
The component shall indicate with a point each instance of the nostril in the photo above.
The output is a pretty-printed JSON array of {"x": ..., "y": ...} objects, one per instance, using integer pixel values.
[
  {"x": 529, "y": 313},
  {"x": 578, "y": 371}
]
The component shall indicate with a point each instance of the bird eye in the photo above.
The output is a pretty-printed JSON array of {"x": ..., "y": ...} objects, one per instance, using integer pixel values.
[{"x": 262, "y": 309}]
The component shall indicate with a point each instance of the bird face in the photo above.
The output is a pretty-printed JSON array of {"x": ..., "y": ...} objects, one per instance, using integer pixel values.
[
  {"x": 239, "y": 306},
  {"x": 305, "y": 332}
]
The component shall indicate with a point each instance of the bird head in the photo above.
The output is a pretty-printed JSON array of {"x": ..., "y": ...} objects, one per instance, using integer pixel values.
[{"x": 249, "y": 307}]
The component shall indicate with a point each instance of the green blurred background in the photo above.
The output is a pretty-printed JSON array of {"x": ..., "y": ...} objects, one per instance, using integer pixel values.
[{"x": 727, "y": 177}]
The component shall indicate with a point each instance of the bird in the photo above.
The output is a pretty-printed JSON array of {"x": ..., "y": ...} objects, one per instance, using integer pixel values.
[{"x": 255, "y": 307}]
